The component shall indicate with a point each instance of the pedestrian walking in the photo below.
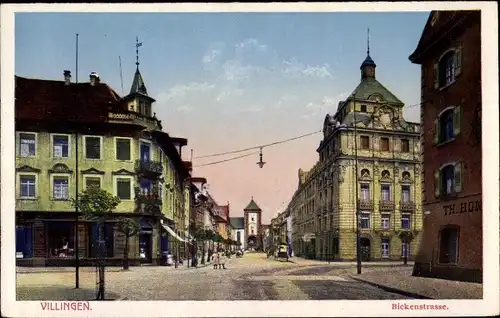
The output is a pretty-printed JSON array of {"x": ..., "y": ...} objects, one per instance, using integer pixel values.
[
  {"x": 222, "y": 259},
  {"x": 215, "y": 260}
]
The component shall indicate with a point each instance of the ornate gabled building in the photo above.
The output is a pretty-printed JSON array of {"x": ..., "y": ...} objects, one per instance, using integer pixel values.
[
  {"x": 369, "y": 161},
  {"x": 70, "y": 136}
]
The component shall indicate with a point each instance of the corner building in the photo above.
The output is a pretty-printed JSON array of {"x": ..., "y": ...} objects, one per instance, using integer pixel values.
[
  {"x": 449, "y": 52},
  {"x": 388, "y": 179}
]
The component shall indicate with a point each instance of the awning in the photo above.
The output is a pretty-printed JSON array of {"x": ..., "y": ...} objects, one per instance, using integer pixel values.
[{"x": 172, "y": 232}]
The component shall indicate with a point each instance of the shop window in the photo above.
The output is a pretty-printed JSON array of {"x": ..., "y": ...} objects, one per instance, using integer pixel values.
[
  {"x": 448, "y": 245},
  {"x": 61, "y": 239},
  {"x": 108, "y": 235},
  {"x": 24, "y": 241}
]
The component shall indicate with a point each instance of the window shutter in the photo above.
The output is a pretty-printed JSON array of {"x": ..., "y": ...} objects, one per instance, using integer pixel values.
[
  {"x": 458, "y": 177},
  {"x": 436, "y": 131},
  {"x": 457, "y": 119},
  {"x": 437, "y": 183},
  {"x": 458, "y": 60},
  {"x": 436, "y": 75}
]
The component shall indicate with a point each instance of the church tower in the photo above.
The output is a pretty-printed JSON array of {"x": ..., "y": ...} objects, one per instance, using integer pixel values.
[
  {"x": 253, "y": 225},
  {"x": 138, "y": 100}
]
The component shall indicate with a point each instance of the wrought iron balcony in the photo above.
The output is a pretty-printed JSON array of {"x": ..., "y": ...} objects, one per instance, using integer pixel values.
[
  {"x": 364, "y": 204},
  {"x": 148, "y": 204},
  {"x": 150, "y": 167},
  {"x": 386, "y": 205},
  {"x": 407, "y": 206}
]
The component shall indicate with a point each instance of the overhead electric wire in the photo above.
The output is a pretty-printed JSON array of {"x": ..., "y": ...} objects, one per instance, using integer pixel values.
[
  {"x": 259, "y": 147},
  {"x": 225, "y": 160},
  {"x": 262, "y": 146}
]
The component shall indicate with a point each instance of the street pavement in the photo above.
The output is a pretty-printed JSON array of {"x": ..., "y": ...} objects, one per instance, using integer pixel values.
[{"x": 252, "y": 277}]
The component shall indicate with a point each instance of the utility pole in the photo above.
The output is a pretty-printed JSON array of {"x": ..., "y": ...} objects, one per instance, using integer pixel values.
[
  {"x": 356, "y": 198},
  {"x": 77, "y": 256}
]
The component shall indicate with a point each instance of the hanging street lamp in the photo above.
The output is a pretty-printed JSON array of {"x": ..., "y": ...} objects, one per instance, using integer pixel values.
[{"x": 261, "y": 163}]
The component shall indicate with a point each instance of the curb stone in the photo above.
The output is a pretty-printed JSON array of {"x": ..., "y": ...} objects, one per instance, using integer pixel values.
[{"x": 391, "y": 290}]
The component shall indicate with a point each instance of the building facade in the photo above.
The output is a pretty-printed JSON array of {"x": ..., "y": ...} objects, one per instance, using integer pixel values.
[
  {"x": 449, "y": 52},
  {"x": 253, "y": 221},
  {"x": 367, "y": 176},
  {"x": 238, "y": 230},
  {"x": 70, "y": 136}
]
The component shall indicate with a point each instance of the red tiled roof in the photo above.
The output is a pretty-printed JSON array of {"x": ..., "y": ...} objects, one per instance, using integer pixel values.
[{"x": 49, "y": 100}]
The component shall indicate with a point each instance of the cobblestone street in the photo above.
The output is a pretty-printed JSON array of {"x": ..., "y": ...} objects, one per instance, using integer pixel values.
[{"x": 252, "y": 277}]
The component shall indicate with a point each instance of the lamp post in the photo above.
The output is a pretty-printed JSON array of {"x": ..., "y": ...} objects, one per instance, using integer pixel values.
[{"x": 358, "y": 242}]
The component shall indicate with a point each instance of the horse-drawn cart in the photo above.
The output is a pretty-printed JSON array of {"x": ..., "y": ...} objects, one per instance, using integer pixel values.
[{"x": 281, "y": 253}]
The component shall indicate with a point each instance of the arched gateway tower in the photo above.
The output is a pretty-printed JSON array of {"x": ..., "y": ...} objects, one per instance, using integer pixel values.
[{"x": 253, "y": 225}]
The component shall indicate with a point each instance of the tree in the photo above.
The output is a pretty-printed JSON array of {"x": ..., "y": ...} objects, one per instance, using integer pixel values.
[
  {"x": 201, "y": 236},
  {"x": 129, "y": 227},
  {"x": 97, "y": 204}
]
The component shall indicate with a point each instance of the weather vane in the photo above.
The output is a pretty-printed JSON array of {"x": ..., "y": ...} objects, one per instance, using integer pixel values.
[{"x": 137, "y": 45}]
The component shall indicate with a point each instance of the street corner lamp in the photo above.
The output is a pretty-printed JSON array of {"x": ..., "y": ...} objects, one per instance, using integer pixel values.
[{"x": 261, "y": 163}]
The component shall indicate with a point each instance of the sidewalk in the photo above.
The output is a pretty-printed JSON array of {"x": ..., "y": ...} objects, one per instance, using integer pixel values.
[
  {"x": 402, "y": 282},
  {"x": 312, "y": 262}
]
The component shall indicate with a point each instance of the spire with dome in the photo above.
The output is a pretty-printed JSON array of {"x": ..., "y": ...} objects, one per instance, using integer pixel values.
[{"x": 368, "y": 66}]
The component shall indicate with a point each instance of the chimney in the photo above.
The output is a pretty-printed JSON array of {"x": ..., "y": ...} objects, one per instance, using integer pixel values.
[
  {"x": 94, "y": 78},
  {"x": 67, "y": 77}
]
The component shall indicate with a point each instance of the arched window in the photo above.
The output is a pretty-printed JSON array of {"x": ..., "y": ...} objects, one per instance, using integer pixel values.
[
  {"x": 365, "y": 173},
  {"x": 386, "y": 174},
  {"x": 448, "y": 179},
  {"x": 447, "y": 65},
  {"x": 448, "y": 245},
  {"x": 447, "y": 125}
]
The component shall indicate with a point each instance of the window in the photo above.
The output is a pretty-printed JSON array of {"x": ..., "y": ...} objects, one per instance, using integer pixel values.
[
  {"x": 93, "y": 147},
  {"x": 448, "y": 179},
  {"x": 405, "y": 221},
  {"x": 365, "y": 142},
  {"x": 384, "y": 144},
  {"x": 60, "y": 187},
  {"x": 386, "y": 192},
  {"x": 92, "y": 182},
  {"x": 365, "y": 191},
  {"x": 27, "y": 187},
  {"x": 446, "y": 69},
  {"x": 448, "y": 247},
  {"x": 27, "y": 144},
  {"x": 238, "y": 236},
  {"x": 160, "y": 190},
  {"x": 253, "y": 219},
  {"x": 122, "y": 149},
  {"x": 405, "y": 193},
  {"x": 405, "y": 249},
  {"x": 363, "y": 108},
  {"x": 385, "y": 247},
  {"x": 405, "y": 145},
  {"x": 364, "y": 221},
  {"x": 60, "y": 146},
  {"x": 60, "y": 239},
  {"x": 385, "y": 221},
  {"x": 147, "y": 109},
  {"x": 446, "y": 126},
  {"x": 123, "y": 188},
  {"x": 252, "y": 230}
]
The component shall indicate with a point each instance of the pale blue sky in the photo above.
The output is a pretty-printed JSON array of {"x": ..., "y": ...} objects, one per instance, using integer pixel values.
[{"x": 232, "y": 80}]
